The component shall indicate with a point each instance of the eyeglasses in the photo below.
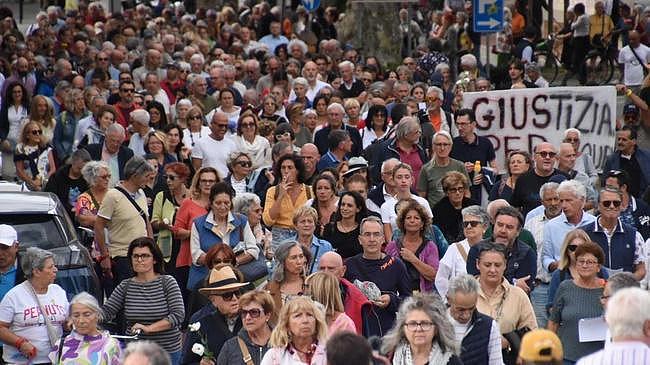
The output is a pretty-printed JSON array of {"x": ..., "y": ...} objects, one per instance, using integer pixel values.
[
  {"x": 194, "y": 117},
  {"x": 36, "y": 132},
  {"x": 571, "y": 140},
  {"x": 572, "y": 248},
  {"x": 254, "y": 313},
  {"x": 474, "y": 224},
  {"x": 285, "y": 135},
  {"x": 432, "y": 100},
  {"x": 547, "y": 154},
  {"x": 586, "y": 262},
  {"x": 127, "y": 90},
  {"x": 170, "y": 177},
  {"x": 423, "y": 326},
  {"x": 459, "y": 189},
  {"x": 244, "y": 163},
  {"x": 610, "y": 203},
  {"x": 248, "y": 125},
  {"x": 372, "y": 234},
  {"x": 141, "y": 257},
  {"x": 229, "y": 296},
  {"x": 207, "y": 182},
  {"x": 102, "y": 59}
]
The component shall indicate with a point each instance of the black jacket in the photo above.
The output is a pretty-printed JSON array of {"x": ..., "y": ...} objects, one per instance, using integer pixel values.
[
  {"x": 123, "y": 155},
  {"x": 215, "y": 329},
  {"x": 66, "y": 189},
  {"x": 231, "y": 352}
]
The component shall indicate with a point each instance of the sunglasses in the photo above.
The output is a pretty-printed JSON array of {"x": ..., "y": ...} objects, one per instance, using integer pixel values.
[
  {"x": 547, "y": 154},
  {"x": 194, "y": 117},
  {"x": 254, "y": 313},
  {"x": 127, "y": 90},
  {"x": 572, "y": 248},
  {"x": 244, "y": 163},
  {"x": 610, "y": 203},
  {"x": 36, "y": 132},
  {"x": 229, "y": 296},
  {"x": 474, "y": 224},
  {"x": 170, "y": 177}
]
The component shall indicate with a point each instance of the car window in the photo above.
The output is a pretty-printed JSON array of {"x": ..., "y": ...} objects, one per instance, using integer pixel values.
[{"x": 39, "y": 230}]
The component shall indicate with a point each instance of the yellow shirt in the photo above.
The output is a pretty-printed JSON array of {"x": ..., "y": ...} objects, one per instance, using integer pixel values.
[
  {"x": 509, "y": 306},
  {"x": 285, "y": 220},
  {"x": 600, "y": 24},
  {"x": 124, "y": 222}
]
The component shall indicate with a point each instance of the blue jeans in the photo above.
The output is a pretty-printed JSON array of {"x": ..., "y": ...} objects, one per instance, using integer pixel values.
[
  {"x": 538, "y": 298},
  {"x": 175, "y": 357},
  {"x": 280, "y": 235}
]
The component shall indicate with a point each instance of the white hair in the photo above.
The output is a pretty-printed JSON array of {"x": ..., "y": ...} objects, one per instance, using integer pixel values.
[
  {"x": 301, "y": 81},
  {"x": 336, "y": 106},
  {"x": 468, "y": 60},
  {"x": 572, "y": 130},
  {"x": 629, "y": 322},
  {"x": 441, "y": 94},
  {"x": 444, "y": 134},
  {"x": 197, "y": 56},
  {"x": 299, "y": 43},
  {"x": 572, "y": 186},
  {"x": 346, "y": 63}
]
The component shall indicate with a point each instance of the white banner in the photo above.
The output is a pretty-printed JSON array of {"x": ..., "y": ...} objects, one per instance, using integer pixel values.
[{"x": 519, "y": 119}]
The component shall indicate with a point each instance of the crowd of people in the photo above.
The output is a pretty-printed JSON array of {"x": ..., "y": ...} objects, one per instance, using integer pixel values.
[{"x": 261, "y": 192}]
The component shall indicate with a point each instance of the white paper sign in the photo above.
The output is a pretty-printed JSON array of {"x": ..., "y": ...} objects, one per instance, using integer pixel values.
[
  {"x": 519, "y": 119},
  {"x": 592, "y": 329}
]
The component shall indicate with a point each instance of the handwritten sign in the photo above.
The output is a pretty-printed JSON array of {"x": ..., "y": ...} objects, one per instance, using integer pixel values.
[{"x": 519, "y": 119}]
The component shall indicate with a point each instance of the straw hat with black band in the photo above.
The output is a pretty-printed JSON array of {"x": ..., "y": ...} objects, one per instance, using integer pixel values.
[{"x": 222, "y": 280}]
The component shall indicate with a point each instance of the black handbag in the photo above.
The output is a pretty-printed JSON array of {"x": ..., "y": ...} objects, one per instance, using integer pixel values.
[{"x": 514, "y": 338}]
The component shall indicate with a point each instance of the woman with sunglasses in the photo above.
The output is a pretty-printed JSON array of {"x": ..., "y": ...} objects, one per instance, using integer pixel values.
[
  {"x": 376, "y": 125},
  {"x": 256, "y": 308},
  {"x": 240, "y": 167},
  {"x": 566, "y": 268},
  {"x": 33, "y": 157},
  {"x": 150, "y": 301},
  {"x": 577, "y": 299},
  {"x": 196, "y": 128},
  {"x": 248, "y": 140},
  {"x": 454, "y": 263},
  {"x": 507, "y": 304},
  {"x": 447, "y": 212}
]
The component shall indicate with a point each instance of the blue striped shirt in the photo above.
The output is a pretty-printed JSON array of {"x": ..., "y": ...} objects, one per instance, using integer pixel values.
[{"x": 619, "y": 353}]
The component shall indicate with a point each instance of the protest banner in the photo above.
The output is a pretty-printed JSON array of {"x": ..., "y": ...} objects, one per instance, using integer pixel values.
[{"x": 519, "y": 119}]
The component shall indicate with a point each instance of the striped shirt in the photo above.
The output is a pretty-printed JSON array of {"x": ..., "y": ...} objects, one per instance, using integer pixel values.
[
  {"x": 149, "y": 302},
  {"x": 619, "y": 353}
]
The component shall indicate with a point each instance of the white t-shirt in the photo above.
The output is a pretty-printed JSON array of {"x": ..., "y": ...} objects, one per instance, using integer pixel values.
[
  {"x": 190, "y": 138},
  {"x": 214, "y": 153},
  {"x": 633, "y": 69},
  {"x": 388, "y": 214},
  {"x": 20, "y": 310}
]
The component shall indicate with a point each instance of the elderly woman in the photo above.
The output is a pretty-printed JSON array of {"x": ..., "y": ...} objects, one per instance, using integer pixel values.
[
  {"x": 343, "y": 230},
  {"x": 220, "y": 225},
  {"x": 422, "y": 334},
  {"x": 324, "y": 288},
  {"x": 505, "y": 303},
  {"x": 283, "y": 198},
  {"x": 165, "y": 206},
  {"x": 447, "y": 212},
  {"x": 326, "y": 200},
  {"x": 288, "y": 277},
  {"x": 299, "y": 337},
  {"x": 304, "y": 219},
  {"x": 249, "y": 141},
  {"x": 418, "y": 254},
  {"x": 150, "y": 301},
  {"x": 352, "y": 110},
  {"x": 577, "y": 299},
  {"x": 33, "y": 157},
  {"x": 375, "y": 126},
  {"x": 250, "y": 205},
  {"x": 240, "y": 166},
  {"x": 454, "y": 263},
  {"x": 256, "y": 308},
  {"x": 270, "y": 110},
  {"x": 517, "y": 164},
  {"x": 67, "y": 123},
  {"x": 87, "y": 343},
  {"x": 97, "y": 174},
  {"x": 28, "y": 339}
]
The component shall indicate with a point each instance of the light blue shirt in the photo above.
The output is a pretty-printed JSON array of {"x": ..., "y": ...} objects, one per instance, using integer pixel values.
[
  {"x": 273, "y": 42},
  {"x": 554, "y": 233}
]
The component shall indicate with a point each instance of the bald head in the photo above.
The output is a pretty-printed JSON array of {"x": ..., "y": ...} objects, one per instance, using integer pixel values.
[
  {"x": 332, "y": 263},
  {"x": 495, "y": 205}
]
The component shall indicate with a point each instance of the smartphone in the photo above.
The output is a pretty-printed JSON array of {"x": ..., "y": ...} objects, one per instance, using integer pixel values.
[{"x": 422, "y": 106}]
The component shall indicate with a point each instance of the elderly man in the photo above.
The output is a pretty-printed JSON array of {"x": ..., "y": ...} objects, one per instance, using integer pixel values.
[
  {"x": 389, "y": 274},
  {"x": 628, "y": 319},
  {"x": 196, "y": 65},
  {"x": 634, "y": 212},
  {"x": 112, "y": 152},
  {"x": 526, "y": 193},
  {"x": 152, "y": 63},
  {"x": 631, "y": 159},
  {"x": 351, "y": 87},
  {"x": 622, "y": 244},
  {"x": 354, "y": 301},
  {"x": 551, "y": 203},
  {"x": 253, "y": 73},
  {"x": 469, "y": 147},
  {"x": 264, "y": 84},
  {"x": 404, "y": 146},
  {"x": 275, "y": 38},
  {"x": 10, "y": 269},
  {"x": 152, "y": 85},
  {"x": 439, "y": 119},
  {"x": 584, "y": 161},
  {"x": 310, "y": 156},
  {"x": 521, "y": 265},
  {"x": 213, "y": 150},
  {"x": 140, "y": 124},
  {"x": 310, "y": 72},
  {"x": 572, "y": 196},
  {"x": 124, "y": 215},
  {"x": 340, "y": 146},
  {"x": 566, "y": 160},
  {"x": 145, "y": 353},
  {"x": 102, "y": 64},
  {"x": 336, "y": 112},
  {"x": 385, "y": 188},
  {"x": 429, "y": 184},
  {"x": 198, "y": 89},
  {"x": 478, "y": 334}
]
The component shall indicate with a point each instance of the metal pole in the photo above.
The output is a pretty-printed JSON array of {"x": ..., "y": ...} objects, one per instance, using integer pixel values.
[
  {"x": 487, "y": 55},
  {"x": 550, "y": 17}
]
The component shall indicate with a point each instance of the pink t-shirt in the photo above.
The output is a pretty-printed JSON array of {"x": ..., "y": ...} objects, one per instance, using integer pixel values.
[
  {"x": 341, "y": 323},
  {"x": 184, "y": 219}
]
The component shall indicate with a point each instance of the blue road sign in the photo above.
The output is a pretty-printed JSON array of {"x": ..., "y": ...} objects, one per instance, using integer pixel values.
[
  {"x": 488, "y": 15},
  {"x": 311, "y": 5}
]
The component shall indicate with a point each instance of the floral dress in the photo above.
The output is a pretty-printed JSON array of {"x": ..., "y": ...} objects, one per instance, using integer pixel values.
[{"x": 90, "y": 350}]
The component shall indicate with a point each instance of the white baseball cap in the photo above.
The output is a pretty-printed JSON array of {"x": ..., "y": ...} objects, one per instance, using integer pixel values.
[{"x": 8, "y": 235}]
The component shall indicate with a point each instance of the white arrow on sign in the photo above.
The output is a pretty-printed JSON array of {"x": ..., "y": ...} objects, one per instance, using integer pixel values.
[{"x": 490, "y": 23}]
